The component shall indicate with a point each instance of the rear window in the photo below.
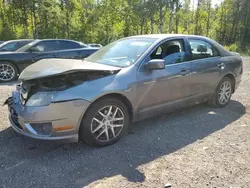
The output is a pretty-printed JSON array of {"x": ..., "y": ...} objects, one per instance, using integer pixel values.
[{"x": 201, "y": 49}]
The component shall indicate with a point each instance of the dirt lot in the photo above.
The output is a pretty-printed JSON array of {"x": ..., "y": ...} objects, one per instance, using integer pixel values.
[{"x": 195, "y": 147}]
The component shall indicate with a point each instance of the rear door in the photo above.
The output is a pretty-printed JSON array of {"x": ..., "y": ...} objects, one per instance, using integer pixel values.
[
  {"x": 69, "y": 50},
  {"x": 206, "y": 66}
]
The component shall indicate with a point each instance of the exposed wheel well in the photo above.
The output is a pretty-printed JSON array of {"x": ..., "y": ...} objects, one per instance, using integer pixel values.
[
  {"x": 123, "y": 99},
  {"x": 231, "y": 77}
]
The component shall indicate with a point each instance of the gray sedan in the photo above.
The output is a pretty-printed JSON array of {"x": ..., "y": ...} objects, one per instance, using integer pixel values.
[{"x": 134, "y": 78}]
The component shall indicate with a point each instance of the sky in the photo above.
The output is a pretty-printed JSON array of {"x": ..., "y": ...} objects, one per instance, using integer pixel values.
[{"x": 214, "y": 2}]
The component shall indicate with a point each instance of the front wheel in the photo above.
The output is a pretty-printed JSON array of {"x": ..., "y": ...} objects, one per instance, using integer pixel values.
[
  {"x": 223, "y": 93},
  {"x": 104, "y": 122},
  {"x": 8, "y": 72}
]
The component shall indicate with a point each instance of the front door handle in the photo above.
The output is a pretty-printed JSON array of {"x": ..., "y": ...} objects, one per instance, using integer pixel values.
[{"x": 184, "y": 72}]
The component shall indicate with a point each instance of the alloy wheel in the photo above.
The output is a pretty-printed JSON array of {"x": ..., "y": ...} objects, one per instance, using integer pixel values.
[
  {"x": 107, "y": 123},
  {"x": 225, "y": 92},
  {"x": 7, "y": 72}
]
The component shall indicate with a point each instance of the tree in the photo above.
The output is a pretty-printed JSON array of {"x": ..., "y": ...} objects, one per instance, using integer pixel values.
[{"x": 104, "y": 21}]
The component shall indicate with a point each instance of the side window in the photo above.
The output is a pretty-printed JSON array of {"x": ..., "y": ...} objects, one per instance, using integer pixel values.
[
  {"x": 201, "y": 49},
  {"x": 65, "y": 45},
  {"x": 12, "y": 46},
  {"x": 47, "y": 46},
  {"x": 171, "y": 51}
]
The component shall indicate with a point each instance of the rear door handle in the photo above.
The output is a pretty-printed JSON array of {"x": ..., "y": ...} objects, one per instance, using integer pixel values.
[{"x": 220, "y": 65}]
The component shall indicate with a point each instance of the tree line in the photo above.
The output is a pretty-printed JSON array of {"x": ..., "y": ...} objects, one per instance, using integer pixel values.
[{"x": 103, "y": 21}]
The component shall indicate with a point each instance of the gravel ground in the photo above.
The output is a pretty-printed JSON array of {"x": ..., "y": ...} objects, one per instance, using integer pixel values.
[{"x": 194, "y": 147}]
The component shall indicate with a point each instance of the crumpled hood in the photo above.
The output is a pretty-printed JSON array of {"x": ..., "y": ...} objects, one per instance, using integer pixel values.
[{"x": 50, "y": 67}]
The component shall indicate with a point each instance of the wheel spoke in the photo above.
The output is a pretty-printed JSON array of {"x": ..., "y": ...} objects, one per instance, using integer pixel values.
[
  {"x": 114, "y": 114},
  {"x": 102, "y": 114},
  {"x": 112, "y": 130},
  {"x": 223, "y": 88},
  {"x": 228, "y": 88},
  {"x": 97, "y": 128},
  {"x": 103, "y": 131},
  {"x": 107, "y": 134},
  {"x": 97, "y": 120},
  {"x": 117, "y": 125},
  {"x": 109, "y": 112},
  {"x": 226, "y": 97},
  {"x": 228, "y": 94},
  {"x": 117, "y": 119},
  {"x": 221, "y": 99}
]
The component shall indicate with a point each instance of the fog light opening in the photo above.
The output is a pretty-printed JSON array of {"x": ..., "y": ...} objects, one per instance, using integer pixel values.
[{"x": 42, "y": 128}]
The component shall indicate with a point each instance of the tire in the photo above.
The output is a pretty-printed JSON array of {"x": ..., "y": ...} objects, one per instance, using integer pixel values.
[
  {"x": 99, "y": 110},
  {"x": 215, "y": 99},
  {"x": 8, "y": 72}
]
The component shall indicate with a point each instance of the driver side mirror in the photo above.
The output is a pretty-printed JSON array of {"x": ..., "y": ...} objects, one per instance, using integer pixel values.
[{"x": 155, "y": 64}]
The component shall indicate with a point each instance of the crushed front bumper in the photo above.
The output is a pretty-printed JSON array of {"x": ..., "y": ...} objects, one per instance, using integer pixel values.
[{"x": 47, "y": 122}]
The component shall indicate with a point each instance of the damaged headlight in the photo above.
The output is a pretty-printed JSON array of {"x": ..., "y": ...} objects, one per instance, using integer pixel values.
[{"x": 40, "y": 99}]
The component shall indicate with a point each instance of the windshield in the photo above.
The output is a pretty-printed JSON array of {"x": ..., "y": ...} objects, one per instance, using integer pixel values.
[
  {"x": 27, "y": 46},
  {"x": 122, "y": 53}
]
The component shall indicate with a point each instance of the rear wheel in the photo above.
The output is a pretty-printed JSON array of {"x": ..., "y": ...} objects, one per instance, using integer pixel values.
[
  {"x": 223, "y": 93},
  {"x": 104, "y": 122},
  {"x": 8, "y": 72}
]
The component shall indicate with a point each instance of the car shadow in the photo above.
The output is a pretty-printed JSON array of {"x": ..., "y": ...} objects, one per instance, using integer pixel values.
[{"x": 77, "y": 165}]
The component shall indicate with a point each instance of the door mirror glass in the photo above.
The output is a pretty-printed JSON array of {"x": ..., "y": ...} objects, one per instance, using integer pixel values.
[{"x": 155, "y": 64}]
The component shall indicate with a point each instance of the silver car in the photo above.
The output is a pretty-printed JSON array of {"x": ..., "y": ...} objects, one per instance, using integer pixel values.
[{"x": 96, "y": 99}]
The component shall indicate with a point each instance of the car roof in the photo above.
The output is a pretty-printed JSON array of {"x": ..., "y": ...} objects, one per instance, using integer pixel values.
[
  {"x": 162, "y": 36},
  {"x": 57, "y": 40},
  {"x": 18, "y": 40}
]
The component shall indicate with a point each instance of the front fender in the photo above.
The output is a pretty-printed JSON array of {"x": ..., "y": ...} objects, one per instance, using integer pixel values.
[{"x": 119, "y": 83}]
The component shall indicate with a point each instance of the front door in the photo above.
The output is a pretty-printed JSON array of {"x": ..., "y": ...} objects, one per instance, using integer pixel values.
[{"x": 166, "y": 88}]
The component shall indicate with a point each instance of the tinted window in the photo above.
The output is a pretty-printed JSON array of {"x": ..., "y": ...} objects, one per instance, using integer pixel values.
[
  {"x": 11, "y": 46},
  {"x": 23, "y": 43},
  {"x": 171, "y": 51},
  {"x": 64, "y": 45},
  {"x": 26, "y": 47},
  {"x": 46, "y": 46},
  {"x": 202, "y": 49}
]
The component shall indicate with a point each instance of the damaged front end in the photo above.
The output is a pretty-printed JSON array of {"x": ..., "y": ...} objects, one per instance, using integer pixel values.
[{"x": 51, "y": 99}]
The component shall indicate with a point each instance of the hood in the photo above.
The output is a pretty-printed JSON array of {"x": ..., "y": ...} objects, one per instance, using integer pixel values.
[
  {"x": 51, "y": 67},
  {"x": 235, "y": 53}
]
